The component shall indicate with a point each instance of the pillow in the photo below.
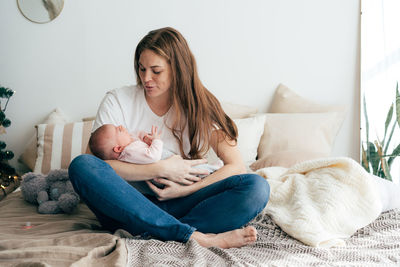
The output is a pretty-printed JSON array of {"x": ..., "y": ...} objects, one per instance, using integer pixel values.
[
  {"x": 285, "y": 159},
  {"x": 58, "y": 144},
  {"x": 287, "y": 101},
  {"x": 312, "y": 133},
  {"x": 28, "y": 157},
  {"x": 250, "y": 131},
  {"x": 235, "y": 111},
  {"x": 89, "y": 118}
]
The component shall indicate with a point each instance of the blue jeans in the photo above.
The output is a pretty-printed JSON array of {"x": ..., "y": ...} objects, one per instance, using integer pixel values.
[{"x": 225, "y": 205}]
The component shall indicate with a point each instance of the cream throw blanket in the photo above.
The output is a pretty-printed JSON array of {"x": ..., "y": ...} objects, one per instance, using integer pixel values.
[{"x": 321, "y": 202}]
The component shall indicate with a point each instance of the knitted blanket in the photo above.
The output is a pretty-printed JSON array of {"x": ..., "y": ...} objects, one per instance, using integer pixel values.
[{"x": 322, "y": 202}]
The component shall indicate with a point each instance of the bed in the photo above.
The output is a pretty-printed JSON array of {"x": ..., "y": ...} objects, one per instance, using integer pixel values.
[
  {"x": 77, "y": 240},
  {"x": 28, "y": 238}
]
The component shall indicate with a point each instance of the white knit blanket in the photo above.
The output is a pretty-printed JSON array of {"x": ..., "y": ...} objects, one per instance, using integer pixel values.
[{"x": 321, "y": 202}]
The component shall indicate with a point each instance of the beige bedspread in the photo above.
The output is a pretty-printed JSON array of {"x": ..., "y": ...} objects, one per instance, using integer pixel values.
[{"x": 55, "y": 240}]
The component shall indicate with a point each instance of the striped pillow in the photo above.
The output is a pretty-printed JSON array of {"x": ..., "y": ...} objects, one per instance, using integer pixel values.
[{"x": 58, "y": 144}]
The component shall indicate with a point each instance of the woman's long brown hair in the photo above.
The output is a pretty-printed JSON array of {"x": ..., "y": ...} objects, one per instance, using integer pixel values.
[{"x": 193, "y": 104}]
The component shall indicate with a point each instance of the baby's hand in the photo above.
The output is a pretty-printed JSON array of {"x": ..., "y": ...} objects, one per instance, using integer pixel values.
[{"x": 155, "y": 134}]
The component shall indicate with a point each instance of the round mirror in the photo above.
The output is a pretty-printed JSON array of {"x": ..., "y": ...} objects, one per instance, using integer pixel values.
[{"x": 40, "y": 11}]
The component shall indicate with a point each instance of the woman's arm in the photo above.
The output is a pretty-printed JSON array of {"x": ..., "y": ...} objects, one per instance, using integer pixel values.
[
  {"x": 228, "y": 152},
  {"x": 174, "y": 168},
  {"x": 233, "y": 165},
  {"x": 135, "y": 172}
]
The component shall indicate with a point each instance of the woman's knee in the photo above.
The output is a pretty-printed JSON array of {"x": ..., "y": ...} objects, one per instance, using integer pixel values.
[
  {"x": 84, "y": 166},
  {"x": 79, "y": 163},
  {"x": 259, "y": 190},
  {"x": 83, "y": 160}
]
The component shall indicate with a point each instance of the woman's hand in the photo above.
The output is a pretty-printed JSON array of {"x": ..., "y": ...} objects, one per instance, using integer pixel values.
[
  {"x": 171, "y": 189},
  {"x": 181, "y": 171}
]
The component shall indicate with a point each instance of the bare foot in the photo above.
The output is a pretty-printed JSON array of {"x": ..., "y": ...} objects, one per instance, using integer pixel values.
[{"x": 231, "y": 239}]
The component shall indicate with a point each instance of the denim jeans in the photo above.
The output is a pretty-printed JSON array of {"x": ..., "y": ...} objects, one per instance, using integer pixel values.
[{"x": 225, "y": 205}]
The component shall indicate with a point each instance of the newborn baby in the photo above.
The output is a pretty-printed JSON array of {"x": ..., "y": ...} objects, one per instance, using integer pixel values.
[{"x": 110, "y": 142}]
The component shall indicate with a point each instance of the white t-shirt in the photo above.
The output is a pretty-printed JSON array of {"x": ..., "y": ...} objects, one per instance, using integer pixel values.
[{"x": 127, "y": 106}]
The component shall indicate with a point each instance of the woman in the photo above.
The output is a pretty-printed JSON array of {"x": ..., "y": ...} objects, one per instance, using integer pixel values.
[{"x": 170, "y": 96}]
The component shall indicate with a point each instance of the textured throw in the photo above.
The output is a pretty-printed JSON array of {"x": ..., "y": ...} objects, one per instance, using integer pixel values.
[
  {"x": 377, "y": 244},
  {"x": 321, "y": 202}
]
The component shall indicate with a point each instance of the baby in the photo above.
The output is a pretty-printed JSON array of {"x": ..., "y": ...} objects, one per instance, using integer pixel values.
[{"x": 115, "y": 142}]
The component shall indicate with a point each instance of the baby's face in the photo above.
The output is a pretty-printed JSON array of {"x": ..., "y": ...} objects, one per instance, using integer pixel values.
[{"x": 122, "y": 136}]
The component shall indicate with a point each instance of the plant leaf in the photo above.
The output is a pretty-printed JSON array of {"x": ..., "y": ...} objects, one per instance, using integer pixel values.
[
  {"x": 386, "y": 169},
  {"x": 366, "y": 120},
  {"x": 387, "y": 122},
  {"x": 364, "y": 159},
  {"x": 384, "y": 165},
  {"x": 397, "y": 104},
  {"x": 395, "y": 153},
  {"x": 373, "y": 157},
  {"x": 386, "y": 146},
  {"x": 381, "y": 174}
]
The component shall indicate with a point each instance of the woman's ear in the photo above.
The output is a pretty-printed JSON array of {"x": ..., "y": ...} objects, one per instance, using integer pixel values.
[{"x": 118, "y": 149}]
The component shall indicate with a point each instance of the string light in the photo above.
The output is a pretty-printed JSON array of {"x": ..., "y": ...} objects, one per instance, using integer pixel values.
[{"x": 8, "y": 183}]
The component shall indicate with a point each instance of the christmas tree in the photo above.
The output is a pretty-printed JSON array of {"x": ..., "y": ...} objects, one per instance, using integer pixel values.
[{"x": 5, "y": 155}]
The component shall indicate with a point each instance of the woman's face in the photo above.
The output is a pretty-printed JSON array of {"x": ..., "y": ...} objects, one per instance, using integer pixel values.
[{"x": 155, "y": 74}]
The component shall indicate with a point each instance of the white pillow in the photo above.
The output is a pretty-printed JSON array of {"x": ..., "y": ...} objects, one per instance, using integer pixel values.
[
  {"x": 250, "y": 131},
  {"x": 58, "y": 144}
]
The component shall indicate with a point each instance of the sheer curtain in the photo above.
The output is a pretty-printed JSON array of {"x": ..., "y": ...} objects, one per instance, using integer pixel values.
[{"x": 380, "y": 69}]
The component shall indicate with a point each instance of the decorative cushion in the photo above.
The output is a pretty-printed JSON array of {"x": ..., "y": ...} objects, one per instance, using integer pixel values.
[
  {"x": 89, "y": 118},
  {"x": 311, "y": 133},
  {"x": 28, "y": 157},
  {"x": 250, "y": 131},
  {"x": 287, "y": 101},
  {"x": 58, "y": 144},
  {"x": 292, "y": 136},
  {"x": 235, "y": 111}
]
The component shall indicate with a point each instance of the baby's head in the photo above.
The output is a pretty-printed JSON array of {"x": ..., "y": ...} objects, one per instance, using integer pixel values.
[{"x": 108, "y": 141}]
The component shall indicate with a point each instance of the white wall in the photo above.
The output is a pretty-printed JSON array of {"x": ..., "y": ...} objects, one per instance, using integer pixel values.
[{"x": 244, "y": 49}]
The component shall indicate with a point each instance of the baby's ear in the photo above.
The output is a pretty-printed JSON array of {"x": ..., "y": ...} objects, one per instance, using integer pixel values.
[{"x": 118, "y": 149}]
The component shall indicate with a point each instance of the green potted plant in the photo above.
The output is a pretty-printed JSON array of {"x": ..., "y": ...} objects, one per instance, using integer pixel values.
[{"x": 375, "y": 156}]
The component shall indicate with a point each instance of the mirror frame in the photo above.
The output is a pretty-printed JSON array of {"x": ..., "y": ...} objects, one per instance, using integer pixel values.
[{"x": 24, "y": 12}]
